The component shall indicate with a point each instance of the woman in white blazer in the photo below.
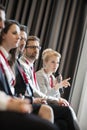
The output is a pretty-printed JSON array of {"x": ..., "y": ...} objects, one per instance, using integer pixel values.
[{"x": 48, "y": 84}]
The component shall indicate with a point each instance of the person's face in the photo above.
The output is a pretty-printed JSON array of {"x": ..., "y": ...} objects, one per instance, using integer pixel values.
[
  {"x": 23, "y": 38},
  {"x": 11, "y": 39},
  {"x": 2, "y": 19},
  {"x": 32, "y": 50},
  {"x": 52, "y": 64}
]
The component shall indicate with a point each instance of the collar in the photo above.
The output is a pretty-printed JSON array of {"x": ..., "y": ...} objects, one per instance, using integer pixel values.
[
  {"x": 27, "y": 61},
  {"x": 6, "y": 54},
  {"x": 48, "y": 74}
]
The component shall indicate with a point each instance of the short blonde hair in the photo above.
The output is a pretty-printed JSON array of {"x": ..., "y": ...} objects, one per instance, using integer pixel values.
[{"x": 47, "y": 53}]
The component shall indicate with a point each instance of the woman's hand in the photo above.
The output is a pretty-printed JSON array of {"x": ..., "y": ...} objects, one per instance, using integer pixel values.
[{"x": 64, "y": 83}]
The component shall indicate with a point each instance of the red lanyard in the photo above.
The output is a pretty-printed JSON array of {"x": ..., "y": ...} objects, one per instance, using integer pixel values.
[
  {"x": 51, "y": 81},
  {"x": 4, "y": 58},
  {"x": 10, "y": 71},
  {"x": 34, "y": 75},
  {"x": 23, "y": 74}
]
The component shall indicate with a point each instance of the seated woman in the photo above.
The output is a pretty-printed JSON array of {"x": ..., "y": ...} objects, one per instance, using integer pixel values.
[{"x": 48, "y": 84}]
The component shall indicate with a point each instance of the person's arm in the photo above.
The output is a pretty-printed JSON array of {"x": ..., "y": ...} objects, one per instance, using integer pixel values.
[
  {"x": 42, "y": 82},
  {"x": 14, "y": 104},
  {"x": 59, "y": 83},
  {"x": 19, "y": 105},
  {"x": 4, "y": 100}
]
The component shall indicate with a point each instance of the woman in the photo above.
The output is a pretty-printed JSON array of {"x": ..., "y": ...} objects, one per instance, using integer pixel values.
[
  {"x": 9, "y": 41},
  {"x": 47, "y": 82}
]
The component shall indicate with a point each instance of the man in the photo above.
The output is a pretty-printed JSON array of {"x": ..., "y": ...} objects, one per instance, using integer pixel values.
[
  {"x": 23, "y": 39},
  {"x": 31, "y": 53},
  {"x": 21, "y": 82}
]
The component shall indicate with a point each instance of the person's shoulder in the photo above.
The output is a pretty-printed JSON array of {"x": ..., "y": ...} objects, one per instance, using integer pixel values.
[
  {"x": 22, "y": 62},
  {"x": 21, "y": 59},
  {"x": 40, "y": 72}
]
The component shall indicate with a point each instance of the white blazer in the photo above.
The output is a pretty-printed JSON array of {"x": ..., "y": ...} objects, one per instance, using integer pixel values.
[{"x": 44, "y": 84}]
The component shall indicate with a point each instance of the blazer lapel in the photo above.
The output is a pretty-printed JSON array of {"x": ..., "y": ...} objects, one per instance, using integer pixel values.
[{"x": 4, "y": 86}]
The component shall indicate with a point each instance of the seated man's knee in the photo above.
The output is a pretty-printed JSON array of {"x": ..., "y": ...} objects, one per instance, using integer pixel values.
[{"x": 46, "y": 112}]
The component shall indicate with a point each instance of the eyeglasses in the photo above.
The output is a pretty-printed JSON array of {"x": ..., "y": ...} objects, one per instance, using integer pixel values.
[{"x": 34, "y": 47}]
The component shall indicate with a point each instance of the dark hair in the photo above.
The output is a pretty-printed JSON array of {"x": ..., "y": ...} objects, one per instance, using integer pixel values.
[
  {"x": 8, "y": 24},
  {"x": 23, "y": 28},
  {"x": 32, "y": 38}
]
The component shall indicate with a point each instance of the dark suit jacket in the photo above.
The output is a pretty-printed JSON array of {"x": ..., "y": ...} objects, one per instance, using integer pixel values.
[
  {"x": 4, "y": 86},
  {"x": 21, "y": 86}
]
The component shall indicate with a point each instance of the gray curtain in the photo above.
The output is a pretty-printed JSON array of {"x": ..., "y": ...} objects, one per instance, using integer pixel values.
[{"x": 59, "y": 25}]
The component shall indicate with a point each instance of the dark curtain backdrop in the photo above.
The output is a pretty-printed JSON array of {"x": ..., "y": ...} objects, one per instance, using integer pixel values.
[{"x": 59, "y": 25}]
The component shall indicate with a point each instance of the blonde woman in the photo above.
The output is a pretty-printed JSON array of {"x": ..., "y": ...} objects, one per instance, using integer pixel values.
[{"x": 47, "y": 82}]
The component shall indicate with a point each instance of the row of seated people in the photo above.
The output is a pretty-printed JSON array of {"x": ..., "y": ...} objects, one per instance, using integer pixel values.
[
  {"x": 7, "y": 77},
  {"x": 44, "y": 110},
  {"x": 17, "y": 78}
]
